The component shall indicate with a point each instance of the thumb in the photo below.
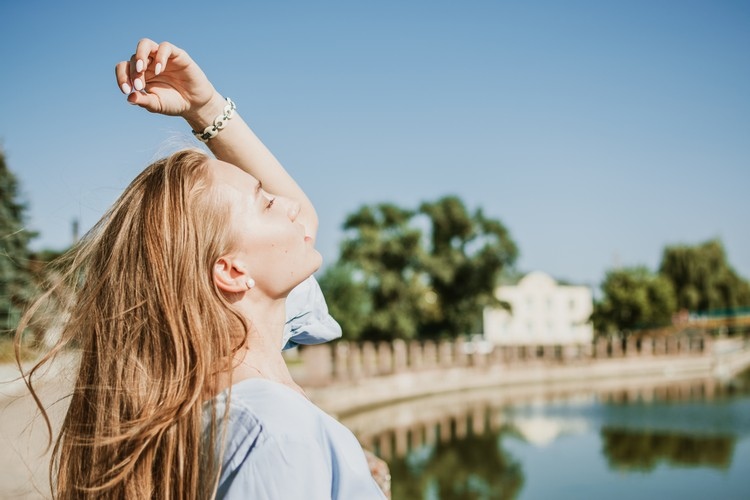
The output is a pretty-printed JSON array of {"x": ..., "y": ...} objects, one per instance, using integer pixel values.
[{"x": 147, "y": 101}]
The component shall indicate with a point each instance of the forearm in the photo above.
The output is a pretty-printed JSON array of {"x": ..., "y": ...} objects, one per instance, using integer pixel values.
[{"x": 237, "y": 144}]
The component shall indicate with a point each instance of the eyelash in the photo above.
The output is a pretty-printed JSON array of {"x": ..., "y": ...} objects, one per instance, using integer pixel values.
[{"x": 270, "y": 203}]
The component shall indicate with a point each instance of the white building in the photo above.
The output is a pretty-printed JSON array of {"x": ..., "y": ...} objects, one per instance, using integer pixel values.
[{"x": 543, "y": 313}]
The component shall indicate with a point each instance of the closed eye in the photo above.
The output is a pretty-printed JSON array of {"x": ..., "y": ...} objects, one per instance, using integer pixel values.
[{"x": 270, "y": 203}]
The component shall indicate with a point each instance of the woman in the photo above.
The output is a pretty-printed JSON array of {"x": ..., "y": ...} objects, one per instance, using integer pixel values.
[{"x": 179, "y": 316}]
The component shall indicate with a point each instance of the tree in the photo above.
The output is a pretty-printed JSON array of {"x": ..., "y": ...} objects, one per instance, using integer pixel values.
[
  {"x": 633, "y": 298},
  {"x": 16, "y": 280},
  {"x": 702, "y": 277},
  {"x": 348, "y": 299},
  {"x": 382, "y": 252},
  {"x": 417, "y": 273},
  {"x": 464, "y": 260}
]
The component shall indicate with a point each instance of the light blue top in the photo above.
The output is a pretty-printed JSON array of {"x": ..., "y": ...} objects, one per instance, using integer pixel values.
[
  {"x": 280, "y": 446},
  {"x": 307, "y": 318}
]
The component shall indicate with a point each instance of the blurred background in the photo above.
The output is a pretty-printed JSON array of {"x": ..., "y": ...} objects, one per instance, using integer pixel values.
[{"x": 510, "y": 193}]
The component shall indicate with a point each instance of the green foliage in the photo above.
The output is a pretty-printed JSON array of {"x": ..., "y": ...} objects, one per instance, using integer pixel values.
[
  {"x": 702, "y": 277},
  {"x": 382, "y": 254},
  {"x": 466, "y": 255},
  {"x": 348, "y": 299},
  {"x": 16, "y": 280},
  {"x": 416, "y": 273},
  {"x": 694, "y": 278},
  {"x": 634, "y": 298}
]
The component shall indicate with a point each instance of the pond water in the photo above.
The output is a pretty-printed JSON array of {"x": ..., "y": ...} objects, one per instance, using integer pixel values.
[{"x": 687, "y": 440}]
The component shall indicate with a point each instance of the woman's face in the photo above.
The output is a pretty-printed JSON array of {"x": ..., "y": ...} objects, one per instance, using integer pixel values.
[{"x": 277, "y": 250}]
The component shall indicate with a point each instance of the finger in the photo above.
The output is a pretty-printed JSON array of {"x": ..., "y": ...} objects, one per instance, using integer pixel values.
[
  {"x": 123, "y": 77},
  {"x": 138, "y": 78},
  {"x": 161, "y": 58},
  {"x": 143, "y": 51},
  {"x": 144, "y": 100},
  {"x": 134, "y": 75}
]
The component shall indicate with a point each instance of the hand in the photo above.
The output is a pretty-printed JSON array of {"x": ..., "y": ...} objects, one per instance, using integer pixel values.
[{"x": 162, "y": 78}]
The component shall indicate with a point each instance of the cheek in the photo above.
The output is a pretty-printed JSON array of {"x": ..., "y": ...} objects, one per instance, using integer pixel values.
[
  {"x": 276, "y": 248},
  {"x": 275, "y": 251}
]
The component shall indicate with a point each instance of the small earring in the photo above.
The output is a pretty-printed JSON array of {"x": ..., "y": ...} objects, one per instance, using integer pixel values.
[{"x": 250, "y": 283}]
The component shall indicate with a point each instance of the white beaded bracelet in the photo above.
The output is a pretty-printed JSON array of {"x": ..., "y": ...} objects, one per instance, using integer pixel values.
[{"x": 219, "y": 122}]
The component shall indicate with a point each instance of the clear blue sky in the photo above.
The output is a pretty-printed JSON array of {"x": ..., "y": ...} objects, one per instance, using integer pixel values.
[{"x": 598, "y": 132}]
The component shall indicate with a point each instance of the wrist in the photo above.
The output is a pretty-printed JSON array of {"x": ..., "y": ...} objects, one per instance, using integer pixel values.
[
  {"x": 218, "y": 124},
  {"x": 201, "y": 117}
]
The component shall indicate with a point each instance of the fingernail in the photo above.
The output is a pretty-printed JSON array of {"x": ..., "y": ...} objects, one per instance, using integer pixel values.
[
  {"x": 125, "y": 88},
  {"x": 138, "y": 84},
  {"x": 139, "y": 65},
  {"x": 157, "y": 70}
]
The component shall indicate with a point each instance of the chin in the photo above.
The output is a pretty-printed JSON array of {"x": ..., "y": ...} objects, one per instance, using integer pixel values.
[{"x": 318, "y": 261}]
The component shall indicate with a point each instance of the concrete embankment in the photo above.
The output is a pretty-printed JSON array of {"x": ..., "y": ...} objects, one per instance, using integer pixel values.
[{"x": 343, "y": 398}]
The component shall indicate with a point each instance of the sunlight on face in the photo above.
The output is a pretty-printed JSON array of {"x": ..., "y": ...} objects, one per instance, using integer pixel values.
[{"x": 276, "y": 249}]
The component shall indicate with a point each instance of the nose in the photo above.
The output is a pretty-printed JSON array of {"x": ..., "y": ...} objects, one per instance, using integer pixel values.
[{"x": 293, "y": 208}]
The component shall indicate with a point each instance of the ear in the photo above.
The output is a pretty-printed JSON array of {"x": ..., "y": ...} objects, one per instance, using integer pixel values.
[{"x": 231, "y": 275}]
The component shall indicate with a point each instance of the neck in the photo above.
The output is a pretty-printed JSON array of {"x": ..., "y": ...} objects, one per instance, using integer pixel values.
[
  {"x": 261, "y": 357},
  {"x": 267, "y": 364}
]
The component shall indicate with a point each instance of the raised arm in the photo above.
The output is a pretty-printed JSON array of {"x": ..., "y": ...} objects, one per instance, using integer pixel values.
[{"x": 162, "y": 78}]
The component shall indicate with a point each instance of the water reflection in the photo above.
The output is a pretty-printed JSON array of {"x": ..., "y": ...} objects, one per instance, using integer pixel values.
[
  {"x": 626, "y": 449},
  {"x": 474, "y": 466},
  {"x": 477, "y": 444}
]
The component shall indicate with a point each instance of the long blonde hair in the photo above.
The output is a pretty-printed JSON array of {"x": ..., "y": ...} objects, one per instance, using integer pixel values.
[{"x": 153, "y": 332}]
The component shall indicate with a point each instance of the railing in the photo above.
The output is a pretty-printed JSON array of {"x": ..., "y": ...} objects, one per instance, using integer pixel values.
[{"x": 350, "y": 361}]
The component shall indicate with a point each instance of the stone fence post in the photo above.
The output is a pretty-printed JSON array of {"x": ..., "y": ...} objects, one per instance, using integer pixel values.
[
  {"x": 647, "y": 346},
  {"x": 400, "y": 356},
  {"x": 429, "y": 354},
  {"x": 587, "y": 350},
  {"x": 696, "y": 344},
  {"x": 548, "y": 353},
  {"x": 660, "y": 345},
  {"x": 445, "y": 353},
  {"x": 497, "y": 356},
  {"x": 602, "y": 348},
  {"x": 508, "y": 353},
  {"x": 318, "y": 364},
  {"x": 616, "y": 350},
  {"x": 385, "y": 358},
  {"x": 415, "y": 356},
  {"x": 686, "y": 344},
  {"x": 631, "y": 346},
  {"x": 369, "y": 359},
  {"x": 479, "y": 359},
  {"x": 459, "y": 353},
  {"x": 672, "y": 345},
  {"x": 570, "y": 352},
  {"x": 341, "y": 360}
]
